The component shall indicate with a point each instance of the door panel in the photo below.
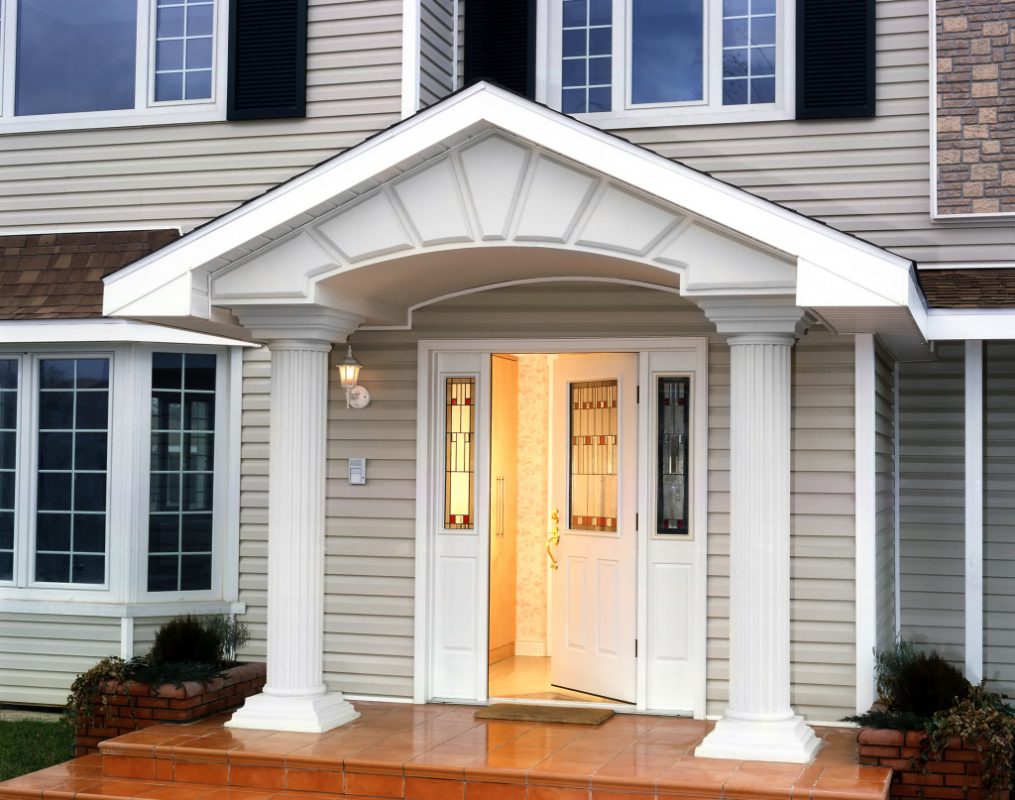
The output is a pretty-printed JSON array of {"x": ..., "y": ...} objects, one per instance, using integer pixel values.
[
  {"x": 593, "y": 487},
  {"x": 503, "y": 506}
]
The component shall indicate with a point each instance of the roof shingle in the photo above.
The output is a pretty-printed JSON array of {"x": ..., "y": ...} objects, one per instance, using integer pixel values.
[
  {"x": 969, "y": 288},
  {"x": 59, "y": 275}
]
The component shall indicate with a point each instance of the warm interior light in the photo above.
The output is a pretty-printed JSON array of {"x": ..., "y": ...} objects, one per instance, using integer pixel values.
[{"x": 348, "y": 373}]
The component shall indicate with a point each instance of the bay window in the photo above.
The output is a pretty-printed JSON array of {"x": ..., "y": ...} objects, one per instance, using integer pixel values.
[
  {"x": 71, "y": 477},
  {"x": 112, "y": 61},
  {"x": 644, "y": 60},
  {"x": 111, "y": 479}
]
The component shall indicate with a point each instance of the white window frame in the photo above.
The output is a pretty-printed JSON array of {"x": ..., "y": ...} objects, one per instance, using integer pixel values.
[
  {"x": 27, "y": 513},
  {"x": 709, "y": 110},
  {"x": 220, "y": 503},
  {"x": 128, "y": 468},
  {"x": 146, "y": 111}
]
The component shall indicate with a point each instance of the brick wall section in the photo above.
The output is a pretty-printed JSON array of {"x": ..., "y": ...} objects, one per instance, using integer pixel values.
[
  {"x": 146, "y": 705},
  {"x": 976, "y": 106},
  {"x": 954, "y": 777}
]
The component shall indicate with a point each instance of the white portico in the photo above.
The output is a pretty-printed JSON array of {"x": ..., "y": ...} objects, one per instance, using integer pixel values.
[{"x": 486, "y": 190}]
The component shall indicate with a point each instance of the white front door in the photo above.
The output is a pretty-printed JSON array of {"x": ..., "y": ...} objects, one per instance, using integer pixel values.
[{"x": 593, "y": 490}]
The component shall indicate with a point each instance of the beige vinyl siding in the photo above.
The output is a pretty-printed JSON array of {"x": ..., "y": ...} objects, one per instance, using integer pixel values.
[
  {"x": 253, "y": 567},
  {"x": 370, "y": 530},
  {"x": 437, "y": 53},
  {"x": 41, "y": 655},
  {"x": 999, "y": 516},
  {"x": 884, "y": 497},
  {"x": 182, "y": 175},
  {"x": 932, "y": 499},
  {"x": 870, "y": 177}
]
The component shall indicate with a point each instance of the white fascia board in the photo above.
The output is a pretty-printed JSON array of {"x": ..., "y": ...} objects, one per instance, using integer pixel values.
[
  {"x": 105, "y": 330},
  {"x": 123, "y": 610},
  {"x": 957, "y": 324},
  {"x": 881, "y": 272}
]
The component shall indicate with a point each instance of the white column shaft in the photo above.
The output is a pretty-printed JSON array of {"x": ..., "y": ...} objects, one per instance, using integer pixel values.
[
  {"x": 295, "y": 697},
  {"x": 299, "y": 399},
  {"x": 759, "y": 722},
  {"x": 759, "y": 520}
]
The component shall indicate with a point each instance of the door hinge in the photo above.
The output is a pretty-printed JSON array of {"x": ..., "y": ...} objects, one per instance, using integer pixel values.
[
  {"x": 635, "y": 648},
  {"x": 636, "y": 520},
  {"x": 637, "y": 394}
]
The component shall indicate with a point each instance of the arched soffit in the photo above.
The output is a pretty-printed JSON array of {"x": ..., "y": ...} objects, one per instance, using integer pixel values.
[{"x": 491, "y": 210}]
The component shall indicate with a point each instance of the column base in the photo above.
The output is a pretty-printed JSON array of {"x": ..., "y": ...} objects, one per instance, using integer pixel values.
[
  {"x": 314, "y": 714},
  {"x": 789, "y": 739}
]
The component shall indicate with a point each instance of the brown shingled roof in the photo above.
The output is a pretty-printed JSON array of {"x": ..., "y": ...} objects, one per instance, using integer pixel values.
[
  {"x": 59, "y": 275},
  {"x": 969, "y": 288}
]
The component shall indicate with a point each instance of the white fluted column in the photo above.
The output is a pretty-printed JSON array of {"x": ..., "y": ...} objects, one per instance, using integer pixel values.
[
  {"x": 759, "y": 722},
  {"x": 295, "y": 697}
]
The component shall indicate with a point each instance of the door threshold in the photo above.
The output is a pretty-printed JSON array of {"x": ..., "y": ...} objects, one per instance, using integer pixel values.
[{"x": 619, "y": 708}]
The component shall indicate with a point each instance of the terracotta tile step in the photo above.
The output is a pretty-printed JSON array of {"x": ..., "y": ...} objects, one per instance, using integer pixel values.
[
  {"x": 57, "y": 784},
  {"x": 400, "y": 752},
  {"x": 450, "y": 778}
]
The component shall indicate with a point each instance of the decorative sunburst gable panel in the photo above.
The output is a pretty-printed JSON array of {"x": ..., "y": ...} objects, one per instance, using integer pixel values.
[{"x": 495, "y": 191}]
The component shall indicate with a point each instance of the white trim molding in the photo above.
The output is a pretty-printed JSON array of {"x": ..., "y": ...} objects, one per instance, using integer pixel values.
[
  {"x": 106, "y": 330},
  {"x": 974, "y": 510},
  {"x": 410, "y": 57},
  {"x": 865, "y": 365}
]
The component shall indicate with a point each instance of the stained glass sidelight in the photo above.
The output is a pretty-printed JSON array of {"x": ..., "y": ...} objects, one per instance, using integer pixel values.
[
  {"x": 674, "y": 417},
  {"x": 459, "y": 457},
  {"x": 594, "y": 452}
]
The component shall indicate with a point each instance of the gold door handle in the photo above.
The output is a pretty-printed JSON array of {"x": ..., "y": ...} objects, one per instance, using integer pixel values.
[{"x": 553, "y": 538}]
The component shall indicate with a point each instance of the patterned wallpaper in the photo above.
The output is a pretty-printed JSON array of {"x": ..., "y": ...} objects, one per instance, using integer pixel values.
[{"x": 533, "y": 408}]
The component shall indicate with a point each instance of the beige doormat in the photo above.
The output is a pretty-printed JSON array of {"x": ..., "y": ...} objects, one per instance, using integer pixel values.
[{"x": 526, "y": 713}]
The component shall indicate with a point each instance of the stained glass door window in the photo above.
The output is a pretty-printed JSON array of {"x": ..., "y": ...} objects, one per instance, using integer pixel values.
[
  {"x": 673, "y": 425},
  {"x": 459, "y": 454},
  {"x": 593, "y": 468}
]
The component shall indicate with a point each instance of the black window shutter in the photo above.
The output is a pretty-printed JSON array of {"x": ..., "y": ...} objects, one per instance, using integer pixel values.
[
  {"x": 267, "y": 59},
  {"x": 835, "y": 59},
  {"x": 500, "y": 43}
]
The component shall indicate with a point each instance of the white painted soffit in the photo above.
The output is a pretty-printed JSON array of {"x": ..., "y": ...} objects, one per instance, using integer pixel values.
[
  {"x": 106, "y": 330},
  {"x": 833, "y": 268}
]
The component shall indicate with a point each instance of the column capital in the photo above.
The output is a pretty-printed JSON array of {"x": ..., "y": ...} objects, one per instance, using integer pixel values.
[
  {"x": 297, "y": 326},
  {"x": 760, "y": 314}
]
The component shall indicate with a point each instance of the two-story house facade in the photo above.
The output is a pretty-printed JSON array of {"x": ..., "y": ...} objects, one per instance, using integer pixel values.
[{"x": 686, "y": 354}]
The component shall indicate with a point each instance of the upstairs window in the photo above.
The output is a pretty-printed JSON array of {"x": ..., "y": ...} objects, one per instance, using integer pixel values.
[
  {"x": 647, "y": 58},
  {"x": 112, "y": 58}
]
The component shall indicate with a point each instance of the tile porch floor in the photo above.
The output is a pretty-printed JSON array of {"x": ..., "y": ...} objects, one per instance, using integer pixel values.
[{"x": 440, "y": 752}]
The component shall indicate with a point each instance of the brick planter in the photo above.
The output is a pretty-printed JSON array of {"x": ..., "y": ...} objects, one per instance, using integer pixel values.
[
  {"x": 143, "y": 705},
  {"x": 955, "y": 777}
]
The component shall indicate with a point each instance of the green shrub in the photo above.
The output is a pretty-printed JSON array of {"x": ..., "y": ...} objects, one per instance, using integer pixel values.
[
  {"x": 186, "y": 639},
  {"x": 929, "y": 684},
  {"x": 913, "y": 682}
]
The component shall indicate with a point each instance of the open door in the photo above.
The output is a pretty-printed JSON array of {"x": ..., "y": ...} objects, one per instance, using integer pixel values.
[{"x": 593, "y": 556}]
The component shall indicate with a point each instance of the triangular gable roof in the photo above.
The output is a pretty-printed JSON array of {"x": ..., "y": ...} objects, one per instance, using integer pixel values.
[{"x": 834, "y": 269}]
